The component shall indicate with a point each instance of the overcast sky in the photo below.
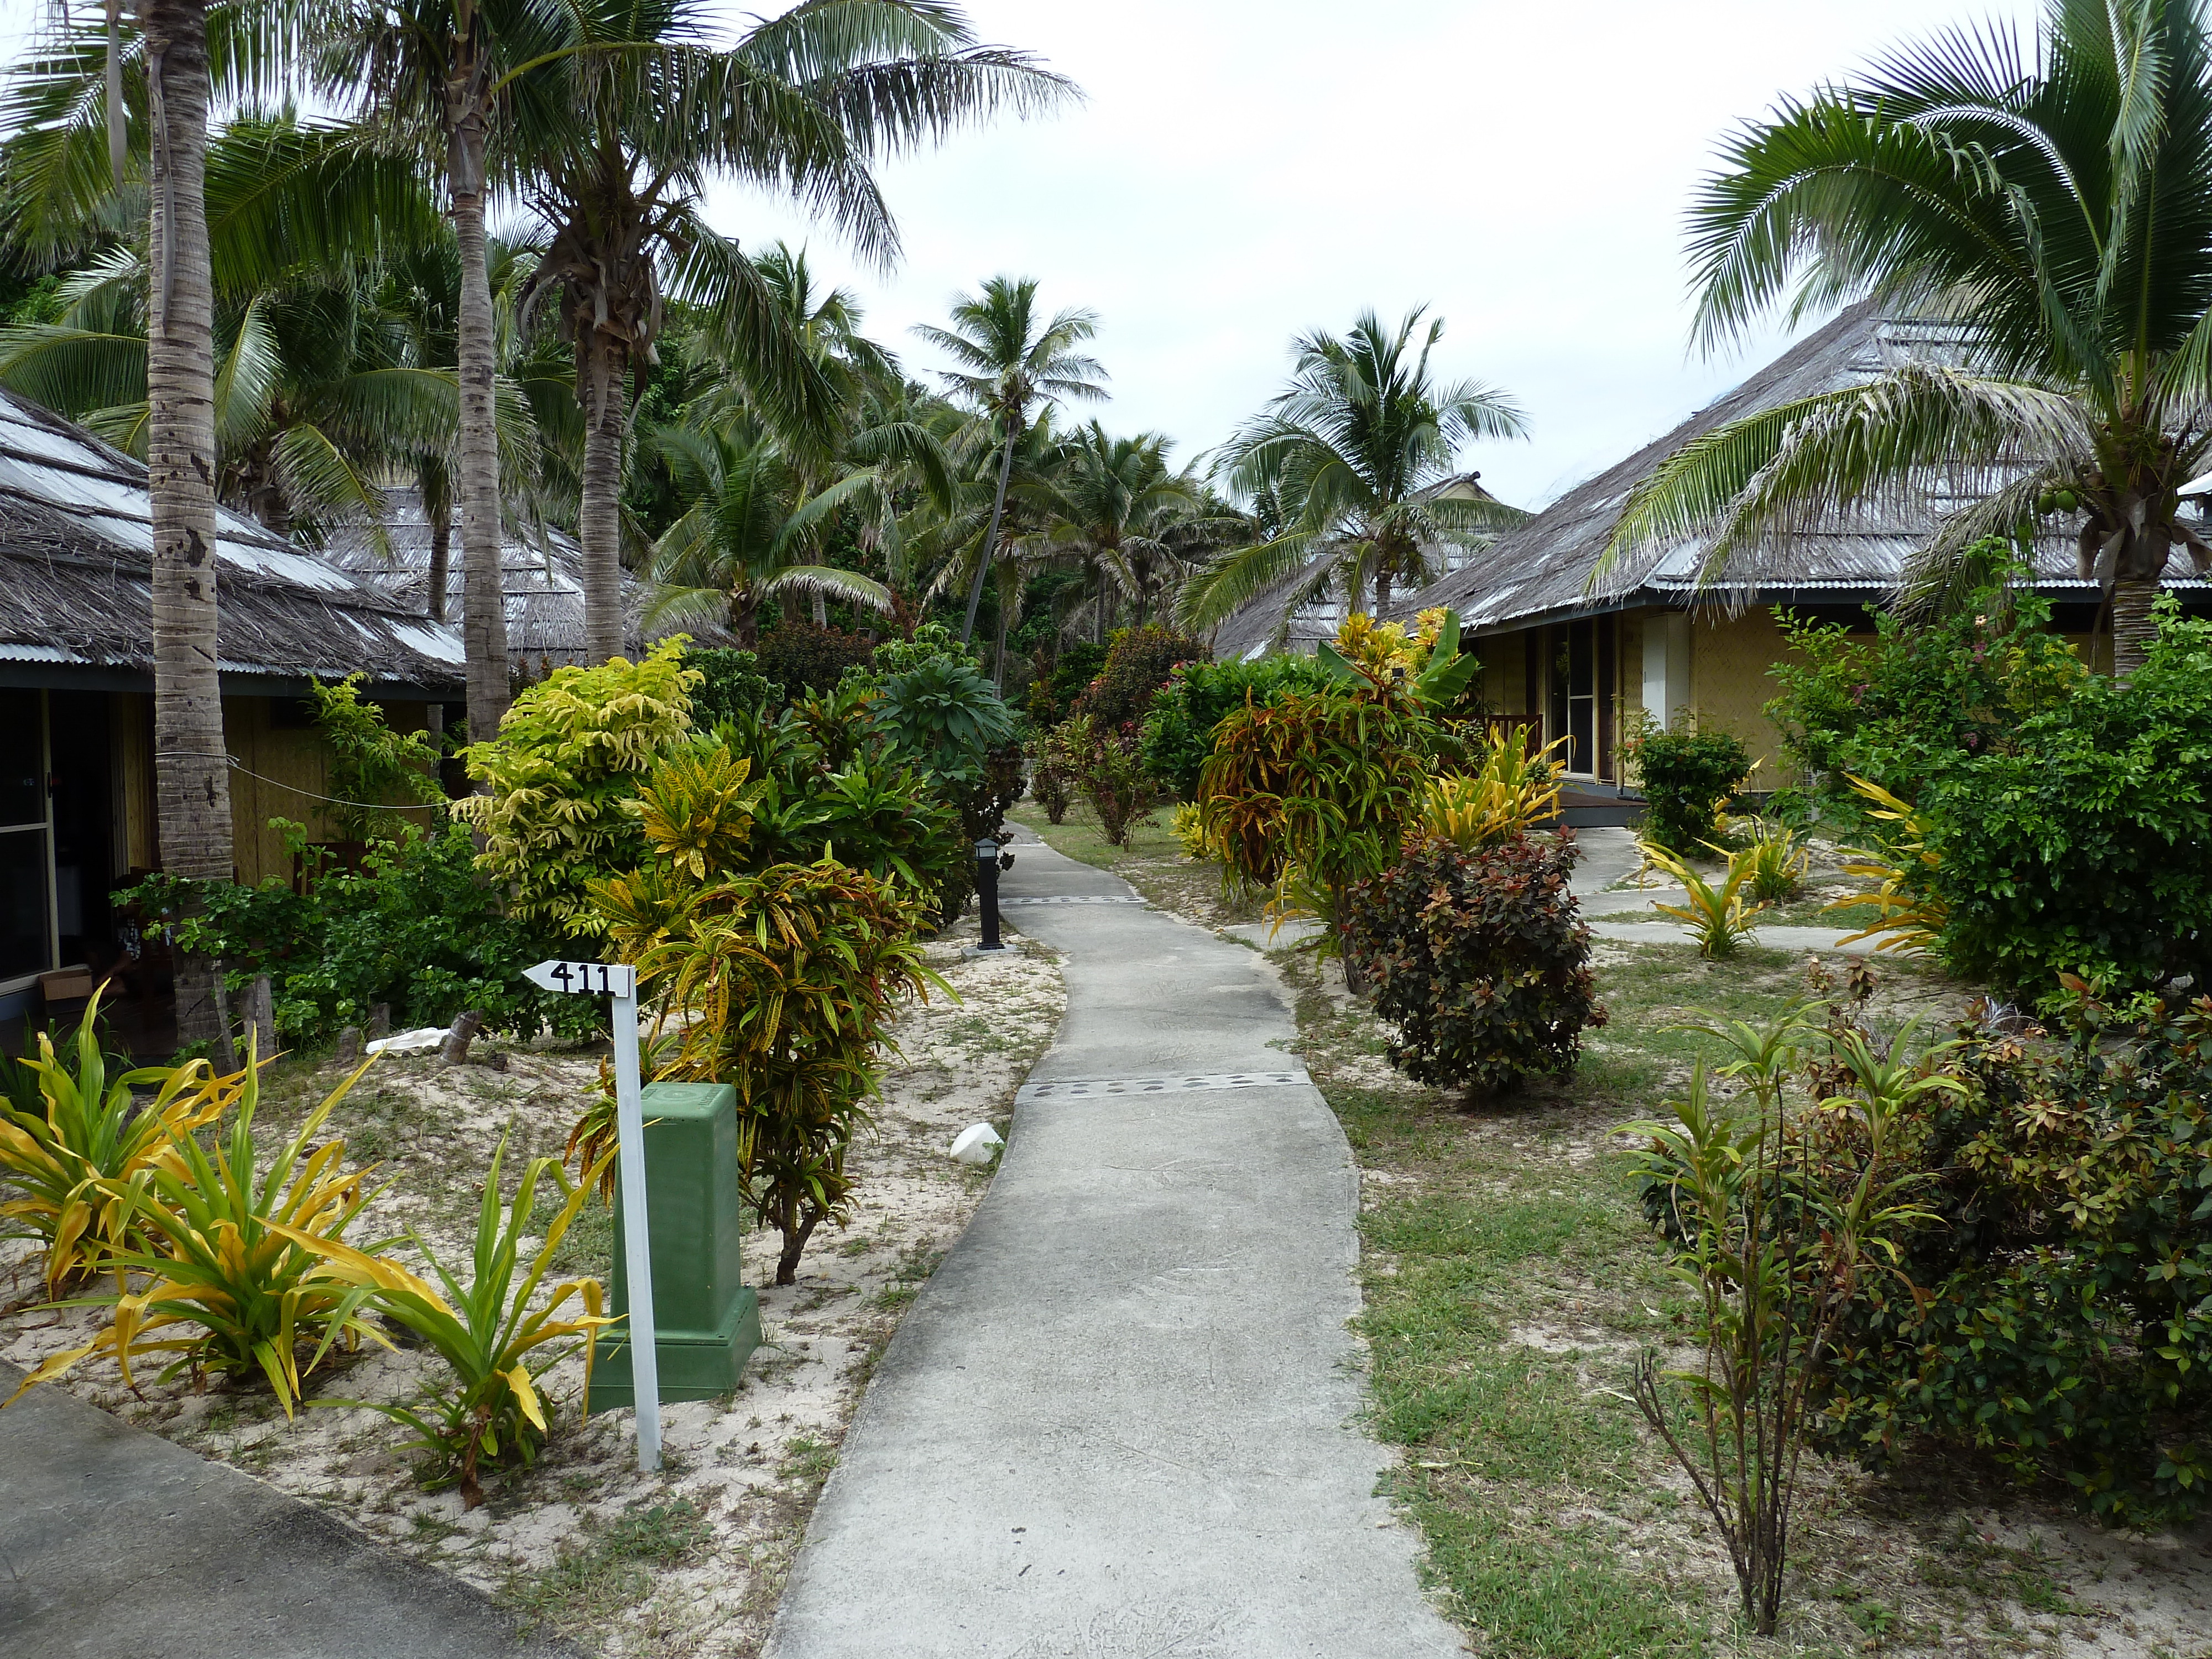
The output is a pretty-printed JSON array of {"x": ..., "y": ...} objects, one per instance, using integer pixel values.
[{"x": 1243, "y": 170}]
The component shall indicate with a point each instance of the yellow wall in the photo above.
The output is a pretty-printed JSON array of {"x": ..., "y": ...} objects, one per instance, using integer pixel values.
[
  {"x": 1730, "y": 686},
  {"x": 1628, "y": 706},
  {"x": 1728, "y": 683},
  {"x": 1504, "y": 672},
  {"x": 282, "y": 771},
  {"x": 131, "y": 724},
  {"x": 289, "y": 761}
]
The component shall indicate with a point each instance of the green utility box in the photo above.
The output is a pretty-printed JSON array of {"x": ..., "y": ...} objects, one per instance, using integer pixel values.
[{"x": 706, "y": 1320}]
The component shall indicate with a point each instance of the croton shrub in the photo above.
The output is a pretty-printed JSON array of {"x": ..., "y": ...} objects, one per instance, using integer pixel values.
[{"x": 1478, "y": 960}]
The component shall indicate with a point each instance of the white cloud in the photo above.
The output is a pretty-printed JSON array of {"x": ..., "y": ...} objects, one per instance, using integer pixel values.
[{"x": 1244, "y": 170}]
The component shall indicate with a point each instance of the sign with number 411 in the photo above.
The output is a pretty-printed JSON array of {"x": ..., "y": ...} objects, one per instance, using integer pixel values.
[{"x": 618, "y": 981}]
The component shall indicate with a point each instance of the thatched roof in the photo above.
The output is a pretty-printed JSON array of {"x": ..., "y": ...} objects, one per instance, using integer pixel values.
[
  {"x": 541, "y": 571},
  {"x": 76, "y": 577},
  {"x": 1259, "y": 626},
  {"x": 1542, "y": 571}
]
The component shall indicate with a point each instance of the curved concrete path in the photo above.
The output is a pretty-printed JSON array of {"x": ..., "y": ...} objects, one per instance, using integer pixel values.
[
  {"x": 114, "y": 1541},
  {"x": 1122, "y": 1418}
]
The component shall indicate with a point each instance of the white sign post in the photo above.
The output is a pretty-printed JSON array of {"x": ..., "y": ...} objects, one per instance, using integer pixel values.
[{"x": 619, "y": 981}]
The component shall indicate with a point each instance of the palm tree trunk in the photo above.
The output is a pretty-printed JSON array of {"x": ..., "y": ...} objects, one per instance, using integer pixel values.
[
  {"x": 191, "y": 768},
  {"x": 598, "y": 517},
  {"x": 991, "y": 536},
  {"x": 998, "y": 650},
  {"x": 1382, "y": 594},
  {"x": 484, "y": 601},
  {"x": 441, "y": 562},
  {"x": 2134, "y": 627}
]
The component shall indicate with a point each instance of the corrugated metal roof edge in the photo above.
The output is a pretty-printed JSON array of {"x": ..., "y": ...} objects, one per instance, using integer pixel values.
[{"x": 1686, "y": 597}]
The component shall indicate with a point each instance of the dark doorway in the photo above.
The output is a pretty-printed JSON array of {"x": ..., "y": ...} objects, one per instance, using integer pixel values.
[{"x": 84, "y": 836}]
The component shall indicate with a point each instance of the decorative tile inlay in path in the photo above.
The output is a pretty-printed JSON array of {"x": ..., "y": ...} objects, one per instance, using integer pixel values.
[
  {"x": 1069, "y": 898},
  {"x": 1097, "y": 1088}
]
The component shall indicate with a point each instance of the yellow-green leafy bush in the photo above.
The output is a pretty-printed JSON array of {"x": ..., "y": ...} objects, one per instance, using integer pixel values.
[
  {"x": 561, "y": 775},
  {"x": 782, "y": 983},
  {"x": 1314, "y": 791},
  {"x": 1511, "y": 791},
  {"x": 374, "y": 770}
]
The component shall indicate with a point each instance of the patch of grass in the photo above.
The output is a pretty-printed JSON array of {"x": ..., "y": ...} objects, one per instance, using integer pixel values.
[
  {"x": 590, "y": 1583},
  {"x": 808, "y": 1460},
  {"x": 1539, "y": 1592},
  {"x": 429, "y": 1529},
  {"x": 1995, "y": 1573},
  {"x": 586, "y": 1250},
  {"x": 1078, "y": 836}
]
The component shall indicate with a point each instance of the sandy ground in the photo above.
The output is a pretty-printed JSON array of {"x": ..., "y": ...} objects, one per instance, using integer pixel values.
[{"x": 690, "y": 1562}]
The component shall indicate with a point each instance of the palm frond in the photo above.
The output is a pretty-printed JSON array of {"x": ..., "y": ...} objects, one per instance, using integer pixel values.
[
  {"x": 1236, "y": 580},
  {"x": 1751, "y": 482},
  {"x": 831, "y": 583}
]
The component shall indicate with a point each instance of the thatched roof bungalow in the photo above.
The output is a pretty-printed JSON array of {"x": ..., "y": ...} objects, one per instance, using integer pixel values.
[
  {"x": 541, "y": 576},
  {"x": 1580, "y": 655},
  {"x": 76, "y": 719}
]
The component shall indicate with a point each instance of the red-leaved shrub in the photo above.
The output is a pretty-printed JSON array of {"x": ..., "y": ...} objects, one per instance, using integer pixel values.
[{"x": 1480, "y": 959}]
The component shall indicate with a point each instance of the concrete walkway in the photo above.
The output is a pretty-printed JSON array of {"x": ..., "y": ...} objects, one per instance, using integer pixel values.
[
  {"x": 1121, "y": 1420},
  {"x": 114, "y": 1541},
  {"x": 1609, "y": 857}
]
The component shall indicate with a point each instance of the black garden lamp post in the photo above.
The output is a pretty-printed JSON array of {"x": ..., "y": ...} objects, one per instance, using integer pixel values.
[{"x": 986, "y": 892}]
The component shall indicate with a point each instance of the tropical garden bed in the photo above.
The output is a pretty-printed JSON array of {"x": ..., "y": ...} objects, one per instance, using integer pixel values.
[{"x": 693, "y": 1560}]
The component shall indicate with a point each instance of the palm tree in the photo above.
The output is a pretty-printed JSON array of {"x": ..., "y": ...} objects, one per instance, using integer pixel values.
[
  {"x": 73, "y": 102},
  {"x": 800, "y": 104},
  {"x": 418, "y": 294},
  {"x": 1114, "y": 505},
  {"x": 440, "y": 76},
  {"x": 1010, "y": 367},
  {"x": 317, "y": 386},
  {"x": 2054, "y": 200},
  {"x": 1346, "y": 458},
  {"x": 192, "y": 767},
  {"x": 875, "y": 428},
  {"x": 750, "y": 535}
]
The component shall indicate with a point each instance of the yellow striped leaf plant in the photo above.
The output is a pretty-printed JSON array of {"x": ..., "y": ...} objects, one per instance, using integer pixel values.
[
  {"x": 233, "y": 1275},
  {"x": 496, "y": 1336},
  {"x": 78, "y": 1157},
  {"x": 1717, "y": 917},
  {"x": 1912, "y": 920}
]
